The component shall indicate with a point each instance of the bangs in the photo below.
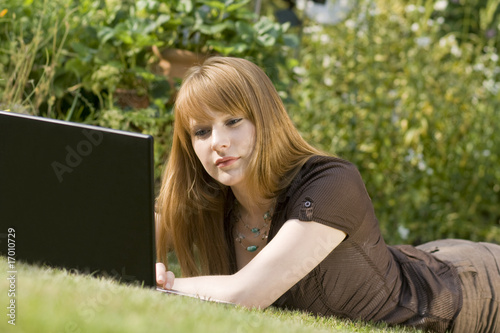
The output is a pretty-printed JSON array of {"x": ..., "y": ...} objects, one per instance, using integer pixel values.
[{"x": 200, "y": 93}]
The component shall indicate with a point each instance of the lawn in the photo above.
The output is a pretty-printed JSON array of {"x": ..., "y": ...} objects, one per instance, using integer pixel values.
[{"x": 54, "y": 300}]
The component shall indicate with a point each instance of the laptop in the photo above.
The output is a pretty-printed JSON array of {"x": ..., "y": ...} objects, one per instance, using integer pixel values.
[{"x": 77, "y": 196}]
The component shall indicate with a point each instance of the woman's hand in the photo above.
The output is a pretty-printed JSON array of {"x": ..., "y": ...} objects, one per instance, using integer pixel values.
[{"x": 164, "y": 278}]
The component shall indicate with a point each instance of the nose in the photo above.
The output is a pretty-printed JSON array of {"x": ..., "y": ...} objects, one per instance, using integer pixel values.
[{"x": 220, "y": 140}]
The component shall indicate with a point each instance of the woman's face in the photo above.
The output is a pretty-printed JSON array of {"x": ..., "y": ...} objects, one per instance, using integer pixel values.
[{"x": 224, "y": 145}]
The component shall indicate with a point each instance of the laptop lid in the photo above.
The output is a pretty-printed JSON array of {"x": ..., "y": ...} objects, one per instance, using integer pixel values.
[{"x": 78, "y": 196}]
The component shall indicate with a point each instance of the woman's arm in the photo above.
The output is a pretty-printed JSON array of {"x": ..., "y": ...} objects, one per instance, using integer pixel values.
[{"x": 296, "y": 250}]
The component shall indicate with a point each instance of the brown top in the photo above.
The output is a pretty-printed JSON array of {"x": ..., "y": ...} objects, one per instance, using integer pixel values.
[{"x": 362, "y": 278}]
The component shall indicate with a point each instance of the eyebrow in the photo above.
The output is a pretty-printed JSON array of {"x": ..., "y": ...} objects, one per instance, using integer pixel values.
[{"x": 203, "y": 120}]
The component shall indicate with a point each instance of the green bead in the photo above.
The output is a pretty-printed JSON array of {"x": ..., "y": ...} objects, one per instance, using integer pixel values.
[
  {"x": 255, "y": 230},
  {"x": 252, "y": 248}
]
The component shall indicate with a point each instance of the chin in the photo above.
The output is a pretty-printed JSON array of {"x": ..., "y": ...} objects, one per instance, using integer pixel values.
[{"x": 229, "y": 181}]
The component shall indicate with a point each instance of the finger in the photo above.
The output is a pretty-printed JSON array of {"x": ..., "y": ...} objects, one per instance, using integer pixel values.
[
  {"x": 170, "y": 277},
  {"x": 160, "y": 274}
]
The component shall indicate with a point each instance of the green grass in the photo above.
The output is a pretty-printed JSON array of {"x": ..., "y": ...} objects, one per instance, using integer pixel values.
[{"x": 54, "y": 300}]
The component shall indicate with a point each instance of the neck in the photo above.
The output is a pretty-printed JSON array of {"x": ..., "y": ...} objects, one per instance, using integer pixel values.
[{"x": 249, "y": 205}]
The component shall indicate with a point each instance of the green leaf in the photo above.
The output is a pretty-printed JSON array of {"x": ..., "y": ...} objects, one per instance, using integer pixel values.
[
  {"x": 125, "y": 37},
  {"x": 291, "y": 40},
  {"x": 185, "y": 6},
  {"x": 84, "y": 52},
  {"x": 79, "y": 68},
  {"x": 244, "y": 30},
  {"x": 221, "y": 47},
  {"x": 264, "y": 25},
  {"x": 266, "y": 40},
  {"x": 240, "y": 48},
  {"x": 216, "y": 28},
  {"x": 105, "y": 34},
  {"x": 214, "y": 4},
  {"x": 162, "y": 19},
  {"x": 145, "y": 74},
  {"x": 236, "y": 6}
]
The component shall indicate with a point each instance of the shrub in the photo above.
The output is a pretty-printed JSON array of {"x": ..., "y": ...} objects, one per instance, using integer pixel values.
[
  {"x": 93, "y": 61},
  {"x": 416, "y": 111}
]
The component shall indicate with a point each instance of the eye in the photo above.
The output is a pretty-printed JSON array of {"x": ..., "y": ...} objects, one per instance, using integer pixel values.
[
  {"x": 234, "y": 121},
  {"x": 201, "y": 132}
]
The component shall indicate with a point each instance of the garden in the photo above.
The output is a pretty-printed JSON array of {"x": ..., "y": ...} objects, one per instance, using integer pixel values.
[{"x": 408, "y": 90}]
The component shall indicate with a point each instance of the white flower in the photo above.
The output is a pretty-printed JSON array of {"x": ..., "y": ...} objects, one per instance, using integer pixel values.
[
  {"x": 313, "y": 29},
  {"x": 442, "y": 42},
  {"x": 392, "y": 93},
  {"x": 494, "y": 57},
  {"x": 440, "y": 20},
  {"x": 440, "y": 5},
  {"x": 327, "y": 61},
  {"x": 374, "y": 12},
  {"x": 328, "y": 81},
  {"x": 491, "y": 86},
  {"x": 415, "y": 27},
  {"x": 299, "y": 70},
  {"x": 403, "y": 232},
  {"x": 455, "y": 50},
  {"x": 448, "y": 40},
  {"x": 479, "y": 67},
  {"x": 324, "y": 38},
  {"x": 410, "y": 8},
  {"x": 351, "y": 24},
  {"x": 410, "y": 156},
  {"x": 394, "y": 18},
  {"x": 423, "y": 41},
  {"x": 301, "y": 4}
]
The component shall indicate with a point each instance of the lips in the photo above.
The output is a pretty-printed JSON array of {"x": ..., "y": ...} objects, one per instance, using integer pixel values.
[{"x": 225, "y": 161}]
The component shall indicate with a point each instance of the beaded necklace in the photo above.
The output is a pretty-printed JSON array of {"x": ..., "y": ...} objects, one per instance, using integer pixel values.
[{"x": 256, "y": 232}]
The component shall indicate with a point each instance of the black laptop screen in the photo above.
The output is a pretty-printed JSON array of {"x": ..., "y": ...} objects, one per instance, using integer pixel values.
[{"x": 79, "y": 197}]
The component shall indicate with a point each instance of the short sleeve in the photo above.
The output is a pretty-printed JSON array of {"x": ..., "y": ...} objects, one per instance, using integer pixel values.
[{"x": 330, "y": 191}]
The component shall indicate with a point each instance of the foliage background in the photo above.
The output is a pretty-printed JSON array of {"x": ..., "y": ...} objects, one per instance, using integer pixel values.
[
  {"x": 93, "y": 61},
  {"x": 394, "y": 90},
  {"x": 408, "y": 90}
]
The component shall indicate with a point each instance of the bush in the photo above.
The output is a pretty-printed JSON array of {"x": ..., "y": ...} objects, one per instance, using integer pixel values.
[
  {"x": 416, "y": 111},
  {"x": 93, "y": 61}
]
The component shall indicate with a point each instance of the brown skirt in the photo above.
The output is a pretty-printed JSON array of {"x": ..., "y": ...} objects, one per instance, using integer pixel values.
[{"x": 478, "y": 266}]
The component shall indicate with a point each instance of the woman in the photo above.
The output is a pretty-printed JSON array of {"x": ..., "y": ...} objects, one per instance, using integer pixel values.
[{"x": 258, "y": 217}]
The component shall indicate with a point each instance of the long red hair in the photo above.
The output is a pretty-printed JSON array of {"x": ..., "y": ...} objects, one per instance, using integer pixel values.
[{"x": 191, "y": 203}]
